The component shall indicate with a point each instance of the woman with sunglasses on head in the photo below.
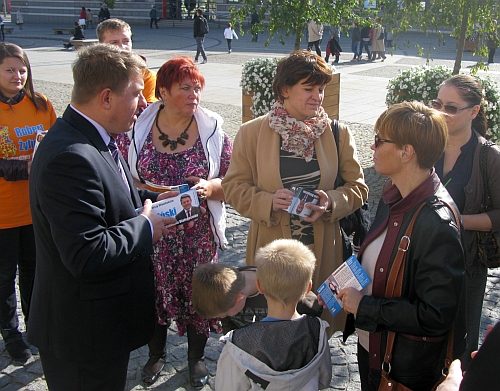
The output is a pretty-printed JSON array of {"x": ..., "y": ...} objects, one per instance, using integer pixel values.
[
  {"x": 410, "y": 138},
  {"x": 461, "y": 97}
]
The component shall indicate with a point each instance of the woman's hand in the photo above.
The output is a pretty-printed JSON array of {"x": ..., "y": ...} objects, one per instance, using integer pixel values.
[
  {"x": 321, "y": 207},
  {"x": 211, "y": 188},
  {"x": 321, "y": 302},
  {"x": 282, "y": 199},
  {"x": 350, "y": 300}
]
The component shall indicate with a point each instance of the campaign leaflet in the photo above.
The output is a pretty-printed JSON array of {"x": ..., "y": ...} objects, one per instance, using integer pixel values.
[
  {"x": 184, "y": 207},
  {"x": 301, "y": 197},
  {"x": 348, "y": 275}
]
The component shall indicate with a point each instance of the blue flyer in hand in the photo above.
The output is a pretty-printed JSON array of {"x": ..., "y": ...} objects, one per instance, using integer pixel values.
[{"x": 348, "y": 275}]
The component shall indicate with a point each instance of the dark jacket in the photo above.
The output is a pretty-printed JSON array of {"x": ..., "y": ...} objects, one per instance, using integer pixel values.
[
  {"x": 93, "y": 295},
  {"x": 197, "y": 26},
  {"x": 79, "y": 35},
  {"x": 365, "y": 32},
  {"x": 473, "y": 195},
  {"x": 355, "y": 33},
  {"x": 433, "y": 296}
]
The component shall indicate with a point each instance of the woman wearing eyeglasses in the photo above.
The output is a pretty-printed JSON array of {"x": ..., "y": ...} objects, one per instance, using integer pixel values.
[
  {"x": 410, "y": 139},
  {"x": 461, "y": 97}
]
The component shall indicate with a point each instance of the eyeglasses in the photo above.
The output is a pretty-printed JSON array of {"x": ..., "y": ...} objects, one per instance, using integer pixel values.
[
  {"x": 379, "y": 141},
  {"x": 448, "y": 109}
]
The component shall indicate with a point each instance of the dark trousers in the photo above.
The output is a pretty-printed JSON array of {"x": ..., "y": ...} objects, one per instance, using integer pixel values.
[
  {"x": 475, "y": 284},
  {"x": 17, "y": 251},
  {"x": 199, "y": 48},
  {"x": 155, "y": 21},
  {"x": 370, "y": 379},
  {"x": 491, "y": 54},
  {"x": 366, "y": 46},
  {"x": 99, "y": 375},
  {"x": 229, "y": 44},
  {"x": 3, "y": 32},
  {"x": 316, "y": 47}
]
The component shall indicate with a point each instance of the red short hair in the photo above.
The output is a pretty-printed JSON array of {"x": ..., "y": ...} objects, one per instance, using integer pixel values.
[{"x": 176, "y": 71}]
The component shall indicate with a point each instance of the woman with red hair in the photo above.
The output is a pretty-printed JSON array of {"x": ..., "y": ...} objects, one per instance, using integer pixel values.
[{"x": 175, "y": 141}]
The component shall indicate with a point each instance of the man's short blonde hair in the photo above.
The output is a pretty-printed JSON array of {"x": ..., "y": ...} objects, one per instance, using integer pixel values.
[
  {"x": 111, "y": 25},
  {"x": 284, "y": 269},
  {"x": 103, "y": 66},
  {"x": 215, "y": 288}
]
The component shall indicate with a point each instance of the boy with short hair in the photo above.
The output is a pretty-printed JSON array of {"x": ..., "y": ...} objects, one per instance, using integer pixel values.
[
  {"x": 117, "y": 32},
  {"x": 284, "y": 350}
]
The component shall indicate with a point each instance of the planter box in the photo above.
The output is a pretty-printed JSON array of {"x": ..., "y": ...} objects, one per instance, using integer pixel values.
[
  {"x": 330, "y": 101},
  {"x": 469, "y": 46}
]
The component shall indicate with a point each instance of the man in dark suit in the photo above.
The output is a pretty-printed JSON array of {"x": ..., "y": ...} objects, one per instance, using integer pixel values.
[
  {"x": 188, "y": 210},
  {"x": 93, "y": 298}
]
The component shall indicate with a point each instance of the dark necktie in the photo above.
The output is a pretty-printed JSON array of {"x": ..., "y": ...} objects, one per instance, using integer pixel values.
[
  {"x": 116, "y": 153},
  {"x": 189, "y": 213}
]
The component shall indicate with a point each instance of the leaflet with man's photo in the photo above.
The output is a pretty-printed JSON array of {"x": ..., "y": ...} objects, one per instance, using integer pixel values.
[
  {"x": 301, "y": 197},
  {"x": 348, "y": 275},
  {"x": 184, "y": 207}
]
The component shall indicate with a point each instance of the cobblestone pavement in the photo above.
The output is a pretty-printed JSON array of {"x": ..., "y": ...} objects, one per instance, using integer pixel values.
[{"x": 161, "y": 45}]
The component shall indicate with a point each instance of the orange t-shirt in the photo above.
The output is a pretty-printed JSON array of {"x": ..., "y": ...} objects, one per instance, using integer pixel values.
[
  {"x": 149, "y": 78},
  {"x": 18, "y": 129}
]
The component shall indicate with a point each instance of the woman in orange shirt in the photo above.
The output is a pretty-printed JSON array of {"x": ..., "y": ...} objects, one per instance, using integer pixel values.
[{"x": 24, "y": 114}]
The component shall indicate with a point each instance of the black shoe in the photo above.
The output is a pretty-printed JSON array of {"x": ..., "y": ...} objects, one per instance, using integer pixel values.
[
  {"x": 18, "y": 350},
  {"x": 198, "y": 373},
  {"x": 152, "y": 369}
]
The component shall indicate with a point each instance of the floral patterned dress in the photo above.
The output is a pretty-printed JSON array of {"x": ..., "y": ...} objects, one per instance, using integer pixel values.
[{"x": 179, "y": 252}]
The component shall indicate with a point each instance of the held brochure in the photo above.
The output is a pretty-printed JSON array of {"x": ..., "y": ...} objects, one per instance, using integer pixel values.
[
  {"x": 184, "y": 207},
  {"x": 348, "y": 275}
]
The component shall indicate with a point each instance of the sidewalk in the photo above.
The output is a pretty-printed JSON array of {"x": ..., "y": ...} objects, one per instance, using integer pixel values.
[{"x": 363, "y": 89}]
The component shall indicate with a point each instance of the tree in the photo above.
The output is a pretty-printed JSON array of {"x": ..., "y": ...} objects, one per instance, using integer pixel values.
[
  {"x": 290, "y": 17},
  {"x": 463, "y": 16}
]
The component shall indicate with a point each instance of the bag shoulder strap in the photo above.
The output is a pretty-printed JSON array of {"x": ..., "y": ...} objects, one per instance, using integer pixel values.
[
  {"x": 336, "y": 131},
  {"x": 483, "y": 167},
  {"x": 395, "y": 286}
]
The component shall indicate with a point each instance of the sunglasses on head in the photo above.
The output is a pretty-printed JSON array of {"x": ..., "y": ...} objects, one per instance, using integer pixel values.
[
  {"x": 379, "y": 141},
  {"x": 448, "y": 109}
]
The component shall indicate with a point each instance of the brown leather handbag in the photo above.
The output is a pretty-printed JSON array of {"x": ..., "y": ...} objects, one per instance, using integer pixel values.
[{"x": 393, "y": 289}]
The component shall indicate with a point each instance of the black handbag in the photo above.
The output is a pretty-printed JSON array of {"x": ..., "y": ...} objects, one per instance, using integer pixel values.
[
  {"x": 487, "y": 241},
  {"x": 381, "y": 36},
  {"x": 357, "y": 223}
]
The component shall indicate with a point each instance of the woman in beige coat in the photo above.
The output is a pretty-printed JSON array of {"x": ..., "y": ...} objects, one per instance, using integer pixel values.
[
  {"x": 293, "y": 145},
  {"x": 378, "y": 45}
]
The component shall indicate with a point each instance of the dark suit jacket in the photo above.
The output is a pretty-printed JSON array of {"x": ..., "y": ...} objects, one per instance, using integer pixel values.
[
  {"x": 195, "y": 210},
  {"x": 93, "y": 295}
]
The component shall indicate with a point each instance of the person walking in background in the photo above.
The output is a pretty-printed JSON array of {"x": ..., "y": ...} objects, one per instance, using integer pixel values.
[
  {"x": 77, "y": 36},
  {"x": 461, "y": 97},
  {"x": 333, "y": 47},
  {"x": 89, "y": 18},
  {"x": 20, "y": 108},
  {"x": 355, "y": 34},
  {"x": 315, "y": 34},
  {"x": 20, "y": 18},
  {"x": 388, "y": 38},
  {"x": 200, "y": 28},
  {"x": 2, "y": 30},
  {"x": 153, "y": 17},
  {"x": 117, "y": 32},
  {"x": 83, "y": 18},
  {"x": 378, "y": 45},
  {"x": 229, "y": 33},
  {"x": 365, "y": 39},
  {"x": 492, "y": 43},
  {"x": 89, "y": 237},
  {"x": 103, "y": 13},
  {"x": 254, "y": 20}
]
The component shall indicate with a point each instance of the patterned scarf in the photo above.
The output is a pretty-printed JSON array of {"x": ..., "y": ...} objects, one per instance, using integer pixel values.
[
  {"x": 14, "y": 100},
  {"x": 297, "y": 136}
]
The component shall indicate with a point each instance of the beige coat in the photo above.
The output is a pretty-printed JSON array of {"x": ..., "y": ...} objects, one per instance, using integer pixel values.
[
  {"x": 254, "y": 176},
  {"x": 378, "y": 45},
  {"x": 314, "y": 31}
]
